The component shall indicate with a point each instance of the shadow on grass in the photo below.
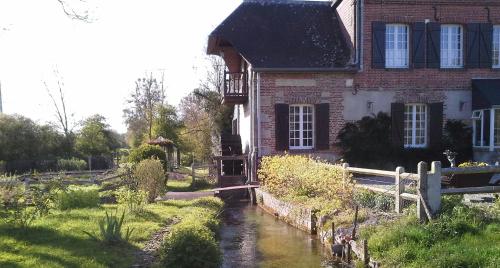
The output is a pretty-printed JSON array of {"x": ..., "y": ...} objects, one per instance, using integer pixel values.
[
  {"x": 46, "y": 240},
  {"x": 148, "y": 215},
  {"x": 9, "y": 264}
]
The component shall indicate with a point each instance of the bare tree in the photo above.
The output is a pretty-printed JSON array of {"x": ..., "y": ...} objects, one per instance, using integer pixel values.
[
  {"x": 60, "y": 106},
  {"x": 76, "y": 9}
]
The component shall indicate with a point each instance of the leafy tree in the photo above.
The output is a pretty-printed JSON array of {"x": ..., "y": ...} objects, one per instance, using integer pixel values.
[
  {"x": 23, "y": 139},
  {"x": 196, "y": 133},
  {"x": 18, "y": 138},
  {"x": 167, "y": 123},
  {"x": 95, "y": 137},
  {"x": 144, "y": 102},
  {"x": 210, "y": 94}
]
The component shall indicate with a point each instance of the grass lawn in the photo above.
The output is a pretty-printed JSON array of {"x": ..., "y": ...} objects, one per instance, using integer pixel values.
[
  {"x": 460, "y": 237},
  {"x": 184, "y": 185},
  {"x": 58, "y": 240}
]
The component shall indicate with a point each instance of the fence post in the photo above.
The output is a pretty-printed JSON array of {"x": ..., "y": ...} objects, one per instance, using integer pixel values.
[
  {"x": 398, "y": 204},
  {"x": 193, "y": 174},
  {"x": 26, "y": 185},
  {"x": 422, "y": 188},
  {"x": 345, "y": 174},
  {"x": 434, "y": 187}
]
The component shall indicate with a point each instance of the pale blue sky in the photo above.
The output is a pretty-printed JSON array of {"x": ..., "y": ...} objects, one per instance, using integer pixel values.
[{"x": 101, "y": 60}]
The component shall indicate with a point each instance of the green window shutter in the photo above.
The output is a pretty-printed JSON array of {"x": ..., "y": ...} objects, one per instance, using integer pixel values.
[
  {"x": 433, "y": 45},
  {"x": 322, "y": 126},
  {"x": 418, "y": 47},
  {"x": 473, "y": 38},
  {"x": 485, "y": 45},
  {"x": 378, "y": 45},
  {"x": 435, "y": 125},
  {"x": 397, "y": 126},
  {"x": 282, "y": 127}
]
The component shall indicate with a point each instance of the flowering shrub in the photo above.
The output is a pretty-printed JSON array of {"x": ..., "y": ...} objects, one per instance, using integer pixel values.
[
  {"x": 472, "y": 164},
  {"x": 306, "y": 180}
]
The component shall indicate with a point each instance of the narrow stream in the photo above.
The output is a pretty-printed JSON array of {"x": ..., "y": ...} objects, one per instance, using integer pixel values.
[{"x": 250, "y": 237}]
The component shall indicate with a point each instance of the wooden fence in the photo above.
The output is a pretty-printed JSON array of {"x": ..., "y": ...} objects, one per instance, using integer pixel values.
[
  {"x": 96, "y": 177},
  {"x": 428, "y": 189}
]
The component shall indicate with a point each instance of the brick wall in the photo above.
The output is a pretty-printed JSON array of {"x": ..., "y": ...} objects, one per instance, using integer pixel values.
[
  {"x": 311, "y": 88},
  {"x": 409, "y": 85},
  {"x": 428, "y": 80}
]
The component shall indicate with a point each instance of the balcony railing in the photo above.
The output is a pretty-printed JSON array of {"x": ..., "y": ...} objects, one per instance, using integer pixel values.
[{"x": 235, "y": 87}]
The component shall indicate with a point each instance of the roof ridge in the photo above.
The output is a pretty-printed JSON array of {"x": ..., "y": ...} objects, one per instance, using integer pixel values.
[{"x": 314, "y": 2}]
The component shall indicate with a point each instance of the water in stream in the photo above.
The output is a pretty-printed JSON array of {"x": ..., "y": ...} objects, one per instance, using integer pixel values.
[{"x": 252, "y": 238}]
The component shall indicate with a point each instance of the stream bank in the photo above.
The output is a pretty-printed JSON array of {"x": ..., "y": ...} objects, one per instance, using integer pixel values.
[{"x": 250, "y": 237}]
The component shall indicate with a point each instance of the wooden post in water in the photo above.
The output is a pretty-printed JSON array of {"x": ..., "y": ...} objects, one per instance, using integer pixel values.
[
  {"x": 365, "y": 257},
  {"x": 333, "y": 232},
  {"x": 398, "y": 204},
  {"x": 355, "y": 223}
]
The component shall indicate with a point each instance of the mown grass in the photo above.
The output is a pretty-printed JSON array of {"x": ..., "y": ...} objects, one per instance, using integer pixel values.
[
  {"x": 185, "y": 185},
  {"x": 58, "y": 240},
  {"x": 460, "y": 237}
]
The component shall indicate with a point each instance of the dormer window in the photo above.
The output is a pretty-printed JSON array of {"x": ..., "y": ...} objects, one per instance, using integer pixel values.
[
  {"x": 452, "y": 46},
  {"x": 396, "y": 46}
]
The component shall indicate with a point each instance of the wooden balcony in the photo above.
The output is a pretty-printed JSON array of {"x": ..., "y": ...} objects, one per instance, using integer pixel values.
[{"x": 235, "y": 88}]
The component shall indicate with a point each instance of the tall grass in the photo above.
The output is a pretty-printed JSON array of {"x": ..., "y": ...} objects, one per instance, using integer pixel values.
[{"x": 460, "y": 237}]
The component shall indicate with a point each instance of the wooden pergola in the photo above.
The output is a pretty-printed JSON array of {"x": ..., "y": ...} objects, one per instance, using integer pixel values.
[{"x": 172, "y": 153}]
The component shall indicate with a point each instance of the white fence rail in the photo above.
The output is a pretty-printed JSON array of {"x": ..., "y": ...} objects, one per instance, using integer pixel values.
[{"x": 428, "y": 188}]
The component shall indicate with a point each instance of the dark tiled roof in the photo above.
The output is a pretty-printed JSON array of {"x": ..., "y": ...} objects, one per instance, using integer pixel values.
[{"x": 284, "y": 34}]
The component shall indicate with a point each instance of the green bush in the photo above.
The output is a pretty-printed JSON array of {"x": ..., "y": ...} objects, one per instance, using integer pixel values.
[
  {"x": 111, "y": 230},
  {"x": 147, "y": 151},
  {"x": 308, "y": 181},
  {"x": 134, "y": 200},
  {"x": 77, "y": 197},
  {"x": 369, "y": 199},
  {"x": 71, "y": 164},
  {"x": 190, "y": 245},
  {"x": 151, "y": 178},
  {"x": 368, "y": 143},
  {"x": 457, "y": 137}
]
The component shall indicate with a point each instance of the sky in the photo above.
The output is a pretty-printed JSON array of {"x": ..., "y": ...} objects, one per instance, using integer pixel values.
[{"x": 99, "y": 61}]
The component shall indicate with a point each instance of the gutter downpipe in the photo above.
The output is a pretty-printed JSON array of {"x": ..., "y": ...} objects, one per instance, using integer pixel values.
[
  {"x": 360, "y": 41},
  {"x": 257, "y": 129}
]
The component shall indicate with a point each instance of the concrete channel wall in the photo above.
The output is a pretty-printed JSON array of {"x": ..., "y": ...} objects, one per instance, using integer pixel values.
[{"x": 301, "y": 218}]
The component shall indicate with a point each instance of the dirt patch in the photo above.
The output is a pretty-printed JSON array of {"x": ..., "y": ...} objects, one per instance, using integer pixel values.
[{"x": 148, "y": 256}]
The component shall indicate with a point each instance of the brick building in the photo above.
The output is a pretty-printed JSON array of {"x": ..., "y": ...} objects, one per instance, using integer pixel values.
[{"x": 299, "y": 70}]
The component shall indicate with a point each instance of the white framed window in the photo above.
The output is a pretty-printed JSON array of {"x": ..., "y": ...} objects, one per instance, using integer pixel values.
[
  {"x": 496, "y": 46},
  {"x": 486, "y": 128},
  {"x": 415, "y": 126},
  {"x": 452, "y": 41},
  {"x": 301, "y": 126},
  {"x": 396, "y": 46}
]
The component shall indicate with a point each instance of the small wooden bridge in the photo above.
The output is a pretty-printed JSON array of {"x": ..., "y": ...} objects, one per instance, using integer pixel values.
[{"x": 239, "y": 187}]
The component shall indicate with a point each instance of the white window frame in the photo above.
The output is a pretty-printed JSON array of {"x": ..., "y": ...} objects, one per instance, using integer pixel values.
[
  {"x": 478, "y": 115},
  {"x": 396, "y": 57},
  {"x": 301, "y": 130},
  {"x": 496, "y": 46},
  {"x": 413, "y": 143},
  {"x": 448, "y": 48}
]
